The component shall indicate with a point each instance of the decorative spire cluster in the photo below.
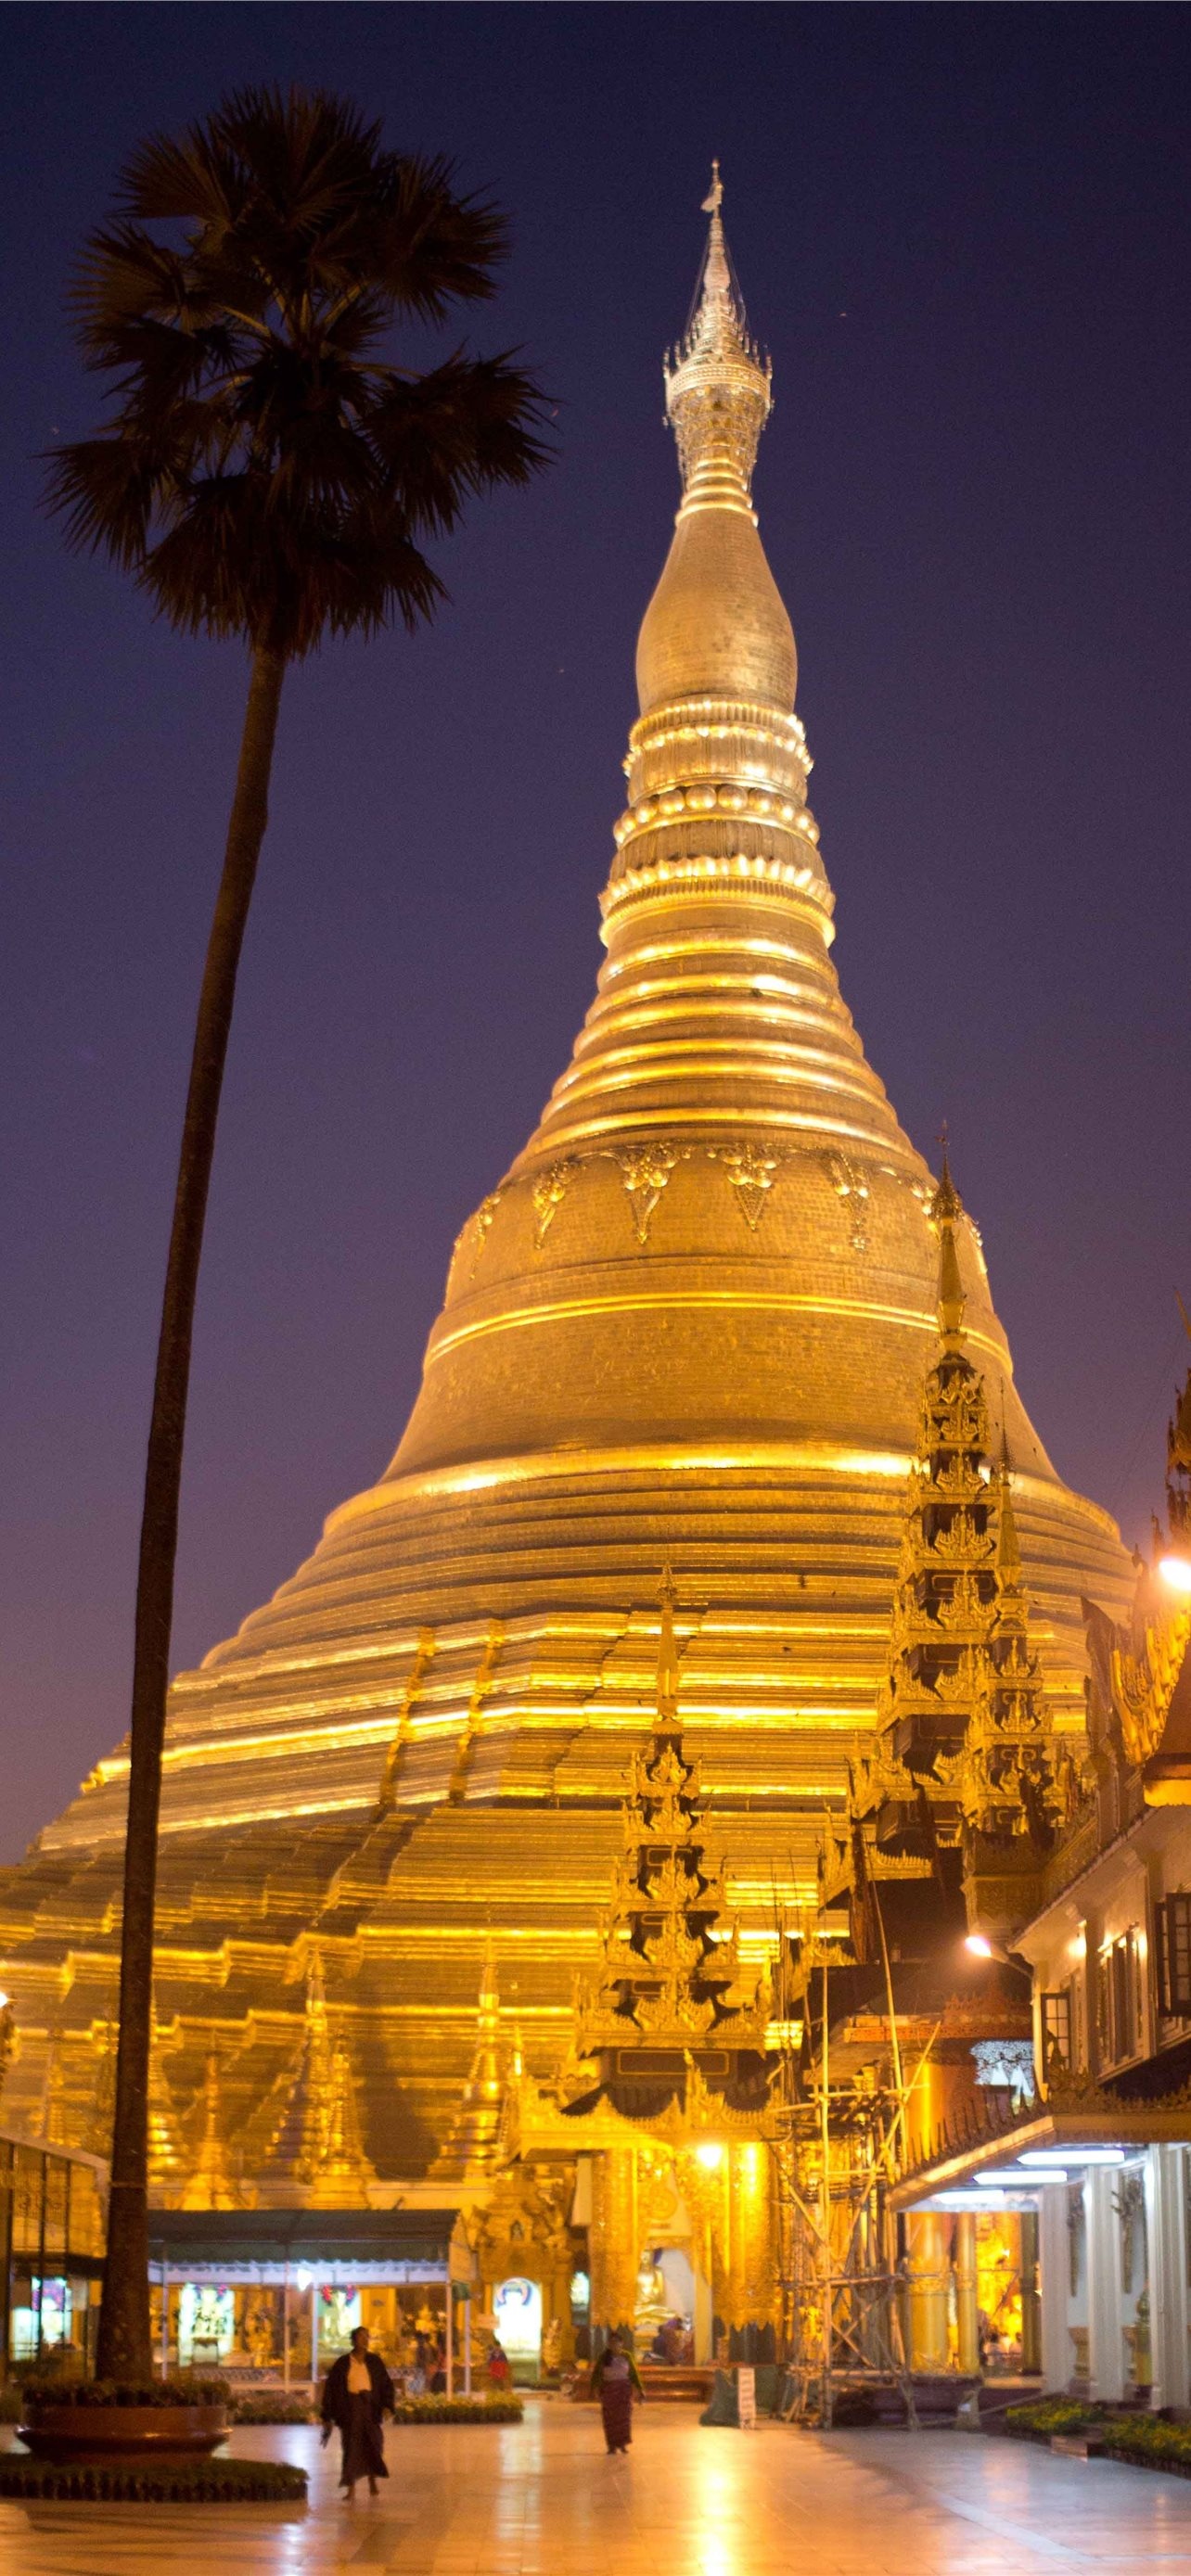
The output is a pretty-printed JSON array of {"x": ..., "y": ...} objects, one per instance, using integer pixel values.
[
  {"x": 1012, "y": 1778},
  {"x": 472, "y": 2145},
  {"x": 946, "y": 1582},
  {"x": 964, "y": 1757},
  {"x": 671, "y": 1966},
  {"x": 317, "y": 2150},
  {"x": 209, "y": 2183}
]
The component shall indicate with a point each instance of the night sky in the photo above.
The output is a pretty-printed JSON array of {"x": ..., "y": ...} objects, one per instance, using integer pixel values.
[{"x": 963, "y": 234}]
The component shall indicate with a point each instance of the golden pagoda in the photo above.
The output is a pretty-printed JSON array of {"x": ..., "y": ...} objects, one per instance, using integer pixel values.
[{"x": 692, "y": 1317}]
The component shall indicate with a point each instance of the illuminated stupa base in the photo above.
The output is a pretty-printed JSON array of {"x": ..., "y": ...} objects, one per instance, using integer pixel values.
[{"x": 691, "y": 1325}]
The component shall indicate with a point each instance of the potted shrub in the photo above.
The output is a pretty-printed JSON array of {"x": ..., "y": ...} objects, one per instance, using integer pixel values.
[{"x": 93, "y": 2420}]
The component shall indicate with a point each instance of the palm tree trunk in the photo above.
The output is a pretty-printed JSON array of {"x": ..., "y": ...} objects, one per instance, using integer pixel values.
[{"x": 125, "y": 2350}]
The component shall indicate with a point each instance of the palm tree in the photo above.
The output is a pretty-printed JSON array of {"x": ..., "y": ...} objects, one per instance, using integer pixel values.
[{"x": 267, "y": 473}]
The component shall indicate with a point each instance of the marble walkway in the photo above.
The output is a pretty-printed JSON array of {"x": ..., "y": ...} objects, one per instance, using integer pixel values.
[{"x": 542, "y": 2499}]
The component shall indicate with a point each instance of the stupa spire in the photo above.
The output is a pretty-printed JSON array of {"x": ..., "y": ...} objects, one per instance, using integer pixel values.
[
  {"x": 209, "y": 2183},
  {"x": 670, "y": 1967},
  {"x": 667, "y": 1673},
  {"x": 946, "y": 1209},
  {"x": 473, "y": 2140},
  {"x": 717, "y": 382},
  {"x": 717, "y": 626}
]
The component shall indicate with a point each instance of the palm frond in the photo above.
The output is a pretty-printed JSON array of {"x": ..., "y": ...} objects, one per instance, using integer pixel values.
[
  {"x": 265, "y": 470},
  {"x": 105, "y": 491}
]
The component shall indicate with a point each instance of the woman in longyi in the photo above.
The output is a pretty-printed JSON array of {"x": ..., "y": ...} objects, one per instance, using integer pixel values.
[{"x": 616, "y": 2381}]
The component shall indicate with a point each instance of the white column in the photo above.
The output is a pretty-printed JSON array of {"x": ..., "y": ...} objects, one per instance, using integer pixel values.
[
  {"x": 165, "y": 2319},
  {"x": 1054, "y": 2261},
  {"x": 314, "y": 2336},
  {"x": 449, "y": 2355},
  {"x": 467, "y": 2342},
  {"x": 1166, "y": 2244},
  {"x": 1106, "y": 2342}
]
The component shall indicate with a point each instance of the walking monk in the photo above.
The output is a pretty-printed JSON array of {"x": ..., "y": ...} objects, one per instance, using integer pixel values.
[{"x": 356, "y": 2396}]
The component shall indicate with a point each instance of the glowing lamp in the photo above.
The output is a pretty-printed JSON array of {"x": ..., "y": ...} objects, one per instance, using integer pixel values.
[
  {"x": 979, "y": 1945},
  {"x": 709, "y": 2152},
  {"x": 1176, "y": 1570}
]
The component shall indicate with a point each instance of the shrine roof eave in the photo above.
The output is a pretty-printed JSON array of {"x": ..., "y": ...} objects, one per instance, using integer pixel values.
[
  {"x": 1126, "y": 2126},
  {"x": 393, "y": 2238}
]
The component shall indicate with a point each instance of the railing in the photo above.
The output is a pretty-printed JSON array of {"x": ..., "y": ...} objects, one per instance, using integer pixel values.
[{"x": 1000, "y": 2113}]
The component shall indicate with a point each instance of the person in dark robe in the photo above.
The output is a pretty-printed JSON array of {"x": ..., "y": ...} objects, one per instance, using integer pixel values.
[
  {"x": 357, "y": 2394},
  {"x": 616, "y": 2381}
]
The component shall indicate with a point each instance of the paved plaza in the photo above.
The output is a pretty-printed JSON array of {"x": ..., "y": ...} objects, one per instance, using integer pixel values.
[{"x": 542, "y": 2499}]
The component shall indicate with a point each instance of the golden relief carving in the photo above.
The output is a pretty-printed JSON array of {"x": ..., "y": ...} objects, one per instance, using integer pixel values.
[
  {"x": 481, "y": 1224},
  {"x": 848, "y": 1181},
  {"x": 645, "y": 1170},
  {"x": 752, "y": 1171},
  {"x": 549, "y": 1191}
]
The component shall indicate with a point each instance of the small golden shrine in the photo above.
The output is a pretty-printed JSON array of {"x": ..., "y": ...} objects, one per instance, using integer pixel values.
[{"x": 662, "y": 2110}]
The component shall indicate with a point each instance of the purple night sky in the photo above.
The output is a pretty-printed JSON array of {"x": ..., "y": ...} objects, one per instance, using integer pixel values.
[{"x": 964, "y": 234}]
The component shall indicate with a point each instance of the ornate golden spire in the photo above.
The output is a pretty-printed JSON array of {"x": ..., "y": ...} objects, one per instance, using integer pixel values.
[
  {"x": 670, "y": 1968},
  {"x": 317, "y": 2150},
  {"x": 1010, "y": 1775},
  {"x": 209, "y": 2184},
  {"x": 667, "y": 1674},
  {"x": 473, "y": 2139},
  {"x": 717, "y": 383},
  {"x": 717, "y": 626},
  {"x": 946, "y": 1209}
]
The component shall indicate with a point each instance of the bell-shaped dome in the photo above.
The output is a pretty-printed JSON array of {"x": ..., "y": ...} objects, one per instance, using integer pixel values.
[{"x": 717, "y": 625}]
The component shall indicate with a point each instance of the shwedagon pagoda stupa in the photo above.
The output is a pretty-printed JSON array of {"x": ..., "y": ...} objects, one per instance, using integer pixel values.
[{"x": 690, "y": 1325}]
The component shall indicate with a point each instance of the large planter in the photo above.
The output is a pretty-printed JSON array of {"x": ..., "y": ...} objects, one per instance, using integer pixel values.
[{"x": 58, "y": 2431}]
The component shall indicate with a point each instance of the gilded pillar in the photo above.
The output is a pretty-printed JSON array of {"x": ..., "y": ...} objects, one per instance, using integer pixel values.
[
  {"x": 967, "y": 2302},
  {"x": 928, "y": 2271},
  {"x": 747, "y": 2303},
  {"x": 615, "y": 2253}
]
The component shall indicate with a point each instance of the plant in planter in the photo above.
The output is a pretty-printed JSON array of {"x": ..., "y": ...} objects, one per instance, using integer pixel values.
[
  {"x": 153, "y": 2481},
  {"x": 269, "y": 2406},
  {"x": 458, "y": 2410},
  {"x": 93, "y": 2420}
]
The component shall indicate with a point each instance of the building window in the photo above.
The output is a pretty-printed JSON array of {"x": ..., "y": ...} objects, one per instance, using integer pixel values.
[
  {"x": 1173, "y": 1922},
  {"x": 1055, "y": 2020},
  {"x": 1119, "y": 1998}
]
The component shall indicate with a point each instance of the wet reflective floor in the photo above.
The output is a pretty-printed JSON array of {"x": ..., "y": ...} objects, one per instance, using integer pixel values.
[{"x": 542, "y": 2499}]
